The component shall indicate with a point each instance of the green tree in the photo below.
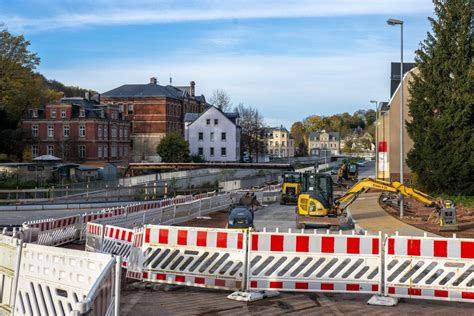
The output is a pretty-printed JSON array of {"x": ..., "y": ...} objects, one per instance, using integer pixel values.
[
  {"x": 173, "y": 148},
  {"x": 313, "y": 123},
  {"x": 442, "y": 101}
]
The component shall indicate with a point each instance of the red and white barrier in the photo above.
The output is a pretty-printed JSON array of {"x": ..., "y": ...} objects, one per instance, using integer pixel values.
[
  {"x": 55, "y": 232},
  {"x": 118, "y": 241},
  {"x": 200, "y": 257},
  {"x": 94, "y": 237},
  {"x": 430, "y": 268},
  {"x": 310, "y": 262}
]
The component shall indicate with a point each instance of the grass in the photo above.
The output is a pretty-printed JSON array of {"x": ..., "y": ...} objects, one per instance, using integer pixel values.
[
  {"x": 466, "y": 200},
  {"x": 12, "y": 184}
]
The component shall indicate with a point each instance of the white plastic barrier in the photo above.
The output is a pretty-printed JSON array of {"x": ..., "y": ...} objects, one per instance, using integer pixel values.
[
  {"x": 10, "y": 248},
  {"x": 314, "y": 262},
  {"x": 55, "y": 232},
  {"x": 52, "y": 280},
  {"x": 117, "y": 241},
  {"x": 86, "y": 218},
  {"x": 94, "y": 237},
  {"x": 202, "y": 257},
  {"x": 430, "y": 268}
]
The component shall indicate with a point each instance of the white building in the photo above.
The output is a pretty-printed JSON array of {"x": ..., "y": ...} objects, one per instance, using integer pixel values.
[
  {"x": 213, "y": 135},
  {"x": 319, "y": 142},
  {"x": 279, "y": 142}
]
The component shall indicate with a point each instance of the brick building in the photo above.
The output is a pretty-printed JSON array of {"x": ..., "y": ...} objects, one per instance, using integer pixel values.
[
  {"x": 154, "y": 111},
  {"x": 78, "y": 129}
]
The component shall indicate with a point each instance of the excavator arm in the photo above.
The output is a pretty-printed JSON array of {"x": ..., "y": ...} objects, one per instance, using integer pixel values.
[{"x": 395, "y": 187}]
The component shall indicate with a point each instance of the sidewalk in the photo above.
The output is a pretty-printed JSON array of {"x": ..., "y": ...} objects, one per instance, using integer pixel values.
[{"x": 367, "y": 215}]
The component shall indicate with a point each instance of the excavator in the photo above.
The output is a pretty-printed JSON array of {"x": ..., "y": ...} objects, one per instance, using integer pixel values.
[
  {"x": 317, "y": 206},
  {"x": 291, "y": 187},
  {"x": 348, "y": 171}
]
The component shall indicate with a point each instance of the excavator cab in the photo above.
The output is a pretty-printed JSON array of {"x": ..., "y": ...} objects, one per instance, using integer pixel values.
[
  {"x": 291, "y": 187},
  {"x": 348, "y": 171}
]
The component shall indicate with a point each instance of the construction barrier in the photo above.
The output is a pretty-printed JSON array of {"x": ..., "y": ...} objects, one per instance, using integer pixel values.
[
  {"x": 117, "y": 241},
  {"x": 314, "y": 262},
  {"x": 430, "y": 268},
  {"x": 52, "y": 280},
  {"x": 202, "y": 257},
  {"x": 55, "y": 232},
  {"x": 86, "y": 218},
  {"x": 94, "y": 237},
  {"x": 10, "y": 248}
]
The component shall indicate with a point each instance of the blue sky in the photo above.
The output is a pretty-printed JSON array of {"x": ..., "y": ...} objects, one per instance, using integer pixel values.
[{"x": 290, "y": 59}]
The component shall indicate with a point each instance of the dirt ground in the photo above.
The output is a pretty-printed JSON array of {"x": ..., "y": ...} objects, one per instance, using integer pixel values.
[
  {"x": 417, "y": 214},
  {"x": 212, "y": 220}
]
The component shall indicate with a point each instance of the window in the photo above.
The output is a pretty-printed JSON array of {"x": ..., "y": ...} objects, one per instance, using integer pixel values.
[
  {"x": 66, "y": 130},
  {"x": 120, "y": 151},
  {"x": 125, "y": 133},
  {"x": 82, "y": 113},
  {"x": 34, "y": 130},
  {"x": 271, "y": 151},
  {"x": 211, "y": 151},
  {"x": 208, "y": 122},
  {"x": 99, "y": 131},
  {"x": 82, "y": 151},
  {"x": 201, "y": 136},
  {"x": 82, "y": 131},
  {"x": 53, "y": 113},
  {"x": 120, "y": 133},
  {"x": 114, "y": 132},
  {"x": 63, "y": 113},
  {"x": 120, "y": 107},
  {"x": 200, "y": 151},
  {"x": 130, "y": 109},
  {"x": 34, "y": 151},
  {"x": 105, "y": 151},
  {"x": 50, "y": 131},
  {"x": 106, "y": 132},
  {"x": 271, "y": 143},
  {"x": 223, "y": 151},
  {"x": 216, "y": 122},
  {"x": 114, "y": 151},
  {"x": 34, "y": 113},
  {"x": 212, "y": 136},
  {"x": 223, "y": 136},
  {"x": 50, "y": 150},
  {"x": 283, "y": 144},
  {"x": 125, "y": 150},
  {"x": 99, "y": 151}
]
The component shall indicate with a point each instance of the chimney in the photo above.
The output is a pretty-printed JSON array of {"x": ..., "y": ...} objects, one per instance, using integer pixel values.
[
  {"x": 153, "y": 80},
  {"x": 192, "y": 84},
  {"x": 171, "y": 81}
]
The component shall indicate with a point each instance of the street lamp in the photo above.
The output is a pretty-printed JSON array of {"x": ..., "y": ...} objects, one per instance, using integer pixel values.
[
  {"x": 376, "y": 139},
  {"x": 398, "y": 22}
]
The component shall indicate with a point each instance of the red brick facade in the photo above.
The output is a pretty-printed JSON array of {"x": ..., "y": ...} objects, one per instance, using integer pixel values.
[{"x": 75, "y": 132}]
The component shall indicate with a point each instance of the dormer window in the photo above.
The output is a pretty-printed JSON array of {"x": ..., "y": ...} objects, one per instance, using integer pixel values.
[
  {"x": 53, "y": 113},
  {"x": 34, "y": 113},
  {"x": 82, "y": 113}
]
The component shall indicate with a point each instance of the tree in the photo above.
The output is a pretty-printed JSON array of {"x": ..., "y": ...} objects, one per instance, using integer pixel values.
[
  {"x": 300, "y": 136},
  {"x": 173, "y": 148},
  {"x": 313, "y": 123},
  {"x": 442, "y": 101},
  {"x": 252, "y": 137},
  {"x": 221, "y": 100}
]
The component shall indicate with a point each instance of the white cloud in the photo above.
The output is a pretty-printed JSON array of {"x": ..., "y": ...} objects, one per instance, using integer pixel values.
[
  {"x": 283, "y": 88},
  {"x": 153, "y": 12}
]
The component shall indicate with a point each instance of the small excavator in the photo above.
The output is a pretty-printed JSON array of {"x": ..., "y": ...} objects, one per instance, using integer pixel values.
[
  {"x": 348, "y": 171},
  {"x": 317, "y": 206},
  {"x": 291, "y": 187}
]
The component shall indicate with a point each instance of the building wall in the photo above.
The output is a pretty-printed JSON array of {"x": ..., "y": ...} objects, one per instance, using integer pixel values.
[
  {"x": 232, "y": 142},
  {"x": 389, "y": 130},
  {"x": 280, "y": 144},
  {"x": 324, "y": 142}
]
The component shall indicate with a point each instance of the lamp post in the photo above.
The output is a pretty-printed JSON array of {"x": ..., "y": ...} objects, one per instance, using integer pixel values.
[
  {"x": 393, "y": 22},
  {"x": 376, "y": 139}
]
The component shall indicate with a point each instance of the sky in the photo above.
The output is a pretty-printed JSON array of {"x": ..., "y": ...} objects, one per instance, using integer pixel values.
[{"x": 289, "y": 59}]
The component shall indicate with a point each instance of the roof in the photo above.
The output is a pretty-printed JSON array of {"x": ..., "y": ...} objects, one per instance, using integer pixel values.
[
  {"x": 87, "y": 168},
  {"x": 316, "y": 135},
  {"x": 47, "y": 158},
  {"x": 191, "y": 117},
  {"x": 271, "y": 129}
]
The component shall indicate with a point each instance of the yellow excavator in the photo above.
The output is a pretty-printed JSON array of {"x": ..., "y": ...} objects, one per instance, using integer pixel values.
[
  {"x": 317, "y": 206},
  {"x": 348, "y": 171},
  {"x": 291, "y": 187}
]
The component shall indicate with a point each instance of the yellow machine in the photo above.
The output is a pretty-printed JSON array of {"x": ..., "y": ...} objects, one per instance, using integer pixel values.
[
  {"x": 316, "y": 205},
  {"x": 348, "y": 171},
  {"x": 291, "y": 187}
]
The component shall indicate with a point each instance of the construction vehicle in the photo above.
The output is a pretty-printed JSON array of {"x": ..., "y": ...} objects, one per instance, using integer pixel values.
[
  {"x": 240, "y": 218},
  {"x": 348, "y": 171},
  {"x": 317, "y": 206},
  {"x": 291, "y": 187}
]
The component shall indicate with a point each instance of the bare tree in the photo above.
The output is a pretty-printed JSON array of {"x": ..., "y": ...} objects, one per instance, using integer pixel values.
[
  {"x": 252, "y": 130},
  {"x": 220, "y": 99}
]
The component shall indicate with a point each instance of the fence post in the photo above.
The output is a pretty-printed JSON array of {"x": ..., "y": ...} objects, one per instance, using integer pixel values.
[
  {"x": 245, "y": 277},
  {"x": 166, "y": 189},
  {"x": 174, "y": 213},
  {"x": 19, "y": 250},
  {"x": 118, "y": 275}
]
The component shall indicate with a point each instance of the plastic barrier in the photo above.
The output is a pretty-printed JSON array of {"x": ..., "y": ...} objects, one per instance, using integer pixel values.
[
  {"x": 314, "y": 263},
  {"x": 86, "y": 218},
  {"x": 430, "y": 268},
  {"x": 117, "y": 241},
  {"x": 9, "y": 256},
  {"x": 55, "y": 232},
  {"x": 202, "y": 257},
  {"x": 94, "y": 237},
  {"x": 52, "y": 280}
]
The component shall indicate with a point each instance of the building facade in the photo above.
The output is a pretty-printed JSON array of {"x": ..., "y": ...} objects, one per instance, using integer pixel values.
[
  {"x": 213, "y": 135},
  {"x": 154, "y": 111},
  {"x": 279, "y": 142},
  {"x": 78, "y": 129},
  {"x": 388, "y": 133},
  {"x": 321, "y": 142}
]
